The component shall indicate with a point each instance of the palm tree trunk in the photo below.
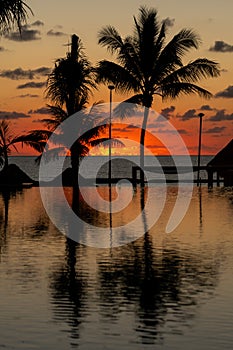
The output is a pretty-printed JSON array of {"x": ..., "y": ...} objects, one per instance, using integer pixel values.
[
  {"x": 74, "y": 164},
  {"x": 6, "y": 160},
  {"x": 142, "y": 143}
]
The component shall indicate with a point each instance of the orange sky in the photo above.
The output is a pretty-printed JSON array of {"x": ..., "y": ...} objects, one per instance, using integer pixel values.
[{"x": 50, "y": 30}]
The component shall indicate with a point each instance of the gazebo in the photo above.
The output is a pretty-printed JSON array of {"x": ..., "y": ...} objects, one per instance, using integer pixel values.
[{"x": 222, "y": 164}]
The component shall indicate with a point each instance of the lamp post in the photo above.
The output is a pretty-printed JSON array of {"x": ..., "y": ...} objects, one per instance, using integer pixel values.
[
  {"x": 200, "y": 115},
  {"x": 111, "y": 88}
]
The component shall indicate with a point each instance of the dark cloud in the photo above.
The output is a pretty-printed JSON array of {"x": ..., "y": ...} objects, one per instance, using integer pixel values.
[
  {"x": 221, "y": 46},
  {"x": 28, "y": 95},
  {"x": 227, "y": 93},
  {"x": 221, "y": 116},
  {"x": 27, "y": 34},
  {"x": 182, "y": 131},
  {"x": 215, "y": 130},
  {"x": 42, "y": 110},
  {"x": 169, "y": 21},
  {"x": 132, "y": 126},
  {"x": 166, "y": 112},
  {"x": 19, "y": 73},
  {"x": 53, "y": 32},
  {"x": 155, "y": 147},
  {"x": 38, "y": 23},
  {"x": 43, "y": 71},
  {"x": 172, "y": 131},
  {"x": 37, "y": 121},
  {"x": 32, "y": 84},
  {"x": 12, "y": 115},
  {"x": 206, "y": 108},
  {"x": 190, "y": 114}
]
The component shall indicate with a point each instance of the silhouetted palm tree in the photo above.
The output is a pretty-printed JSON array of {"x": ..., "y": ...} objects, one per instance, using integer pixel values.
[
  {"x": 13, "y": 13},
  {"x": 8, "y": 142},
  {"x": 147, "y": 65},
  {"x": 69, "y": 85}
]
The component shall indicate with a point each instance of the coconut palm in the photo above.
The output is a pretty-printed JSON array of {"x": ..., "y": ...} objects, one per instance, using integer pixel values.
[
  {"x": 9, "y": 141},
  {"x": 69, "y": 86},
  {"x": 13, "y": 13},
  {"x": 146, "y": 65}
]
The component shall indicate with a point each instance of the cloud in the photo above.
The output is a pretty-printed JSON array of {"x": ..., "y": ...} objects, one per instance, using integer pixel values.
[
  {"x": 28, "y": 95},
  {"x": 182, "y": 131},
  {"x": 190, "y": 114},
  {"x": 12, "y": 115},
  {"x": 52, "y": 32},
  {"x": 169, "y": 21},
  {"x": 42, "y": 110},
  {"x": 37, "y": 121},
  {"x": 27, "y": 34},
  {"x": 131, "y": 126},
  {"x": 32, "y": 84},
  {"x": 221, "y": 116},
  {"x": 38, "y": 23},
  {"x": 227, "y": 93},
  {"x": 206, "y": 108},
  {"x": 215, "y": 130},
  {"x": 19, "y": 73},
  {"x": 172, "y": 131},
  {"x": 166, "y": 112},
  {"x": 43, "y": 71},
  {"x": 221, "y": 46}
]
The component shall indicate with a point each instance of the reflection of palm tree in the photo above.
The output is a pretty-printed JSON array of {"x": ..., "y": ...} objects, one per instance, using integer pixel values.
[
  {"x": 68, "y": 283},
  {"x": 8, "y": 142},
  {"x": 157, "y": 282},
  {"x": 148, "y": 66},
  {"x": 13, "y": 13}
]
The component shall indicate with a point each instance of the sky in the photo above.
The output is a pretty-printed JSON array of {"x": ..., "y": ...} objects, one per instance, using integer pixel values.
[{"x": 25, "y": 63}]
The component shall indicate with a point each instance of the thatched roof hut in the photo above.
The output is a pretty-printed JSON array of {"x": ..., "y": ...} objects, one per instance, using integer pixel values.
[
  {"x": 224, "y": 157},
  {"x": 222, "y": 163}
]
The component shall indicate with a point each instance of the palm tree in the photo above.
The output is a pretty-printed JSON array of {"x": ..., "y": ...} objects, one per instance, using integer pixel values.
[
  {"x": 8, "y": 142},
  {"x": 13, "y": 13},
  {"x": 146, "y": 65},
  {"x": 69, "y": 86}
]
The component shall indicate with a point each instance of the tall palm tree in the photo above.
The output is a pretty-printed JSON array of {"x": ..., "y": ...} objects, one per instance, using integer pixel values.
[
  {"x": 13, "y": 13},
  {"x": 146, "y": 65},
  {"x": 8, "y": 142},
  {"x": 69, "y": 85}
]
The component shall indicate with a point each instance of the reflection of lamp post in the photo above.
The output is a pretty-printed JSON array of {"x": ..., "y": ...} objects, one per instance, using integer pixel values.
[
  {"x": 201, "y": 115},
  {"x": 111, "y": 88}
]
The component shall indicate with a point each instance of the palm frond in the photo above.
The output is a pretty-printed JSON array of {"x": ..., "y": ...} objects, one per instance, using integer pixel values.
[
  {"x": 194, "y": 71},
  {"x": 110, "y": 72},
  {"x": 174, "y": 90},
  {"x": 13, "y": 13}
]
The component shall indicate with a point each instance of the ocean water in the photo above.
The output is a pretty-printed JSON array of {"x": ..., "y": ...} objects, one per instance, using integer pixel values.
[
  {"x": 121, "y": 167},
  {"x": 162, "y": 291}
]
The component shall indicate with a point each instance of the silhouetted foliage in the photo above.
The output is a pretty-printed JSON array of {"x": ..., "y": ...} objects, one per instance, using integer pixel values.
[{"x": 147, "y": 65}]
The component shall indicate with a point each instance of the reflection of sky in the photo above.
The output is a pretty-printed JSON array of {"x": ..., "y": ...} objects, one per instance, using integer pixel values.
[{"x": 160, "y": 290}]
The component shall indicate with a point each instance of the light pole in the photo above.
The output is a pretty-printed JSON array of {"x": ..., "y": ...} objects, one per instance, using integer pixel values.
[
  {"x": 200, "y": 115},
  {"x": 111, "y": 88}
]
